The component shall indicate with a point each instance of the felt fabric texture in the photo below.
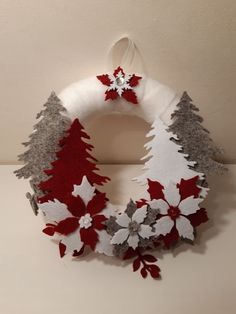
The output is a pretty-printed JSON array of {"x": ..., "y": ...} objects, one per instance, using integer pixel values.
[
  {"x": 165, "y": 161},
  {"x": 72, "y": 164},
  {"x": 194, "y": 138},
  {"x": 85, "y": 100},
  {"x": 43, "y": 143}
]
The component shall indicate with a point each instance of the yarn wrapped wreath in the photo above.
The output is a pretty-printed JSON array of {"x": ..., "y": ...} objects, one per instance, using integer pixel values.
[{"x": 65, "y": 184}]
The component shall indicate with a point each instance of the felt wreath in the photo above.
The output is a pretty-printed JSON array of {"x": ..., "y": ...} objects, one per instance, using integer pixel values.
[{"x": 65, "y": 182}]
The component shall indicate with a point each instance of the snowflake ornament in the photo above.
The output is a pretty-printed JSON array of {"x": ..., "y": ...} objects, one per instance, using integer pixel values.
[{"x": 120, "y": 84}]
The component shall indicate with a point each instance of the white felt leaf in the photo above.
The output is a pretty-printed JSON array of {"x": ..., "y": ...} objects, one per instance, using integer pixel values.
[
  {"x": 184, "y": 228},
  {"x": 54, "y": 211},
  {"x": 109, "y": 210},
  {"x": 72, "y": 242},
  {"x": 140, "y": 214},
  {"x": 120, "y": 236},
  {"x": 85, "y": 190},
  {"x": 104, "y": 244},
  {"x": 133, "y": 241},
  {"x": 161, "y": 205},
  {"x": 146, "y": 232},
  {"x": 163, "y": 225},
  {"x": 189, "y": 205},
  {"x": 123, "y": 220},
  {"x": 172, "y": 195}
]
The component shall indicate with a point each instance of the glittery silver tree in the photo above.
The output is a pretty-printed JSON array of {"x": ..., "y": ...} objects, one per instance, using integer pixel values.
[
  {"x": 42, "y": 145},
  {"x": 194, "y": 138}
]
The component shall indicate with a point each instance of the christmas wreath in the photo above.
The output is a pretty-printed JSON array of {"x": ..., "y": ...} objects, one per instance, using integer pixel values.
[{"x": 65, "y": 183}]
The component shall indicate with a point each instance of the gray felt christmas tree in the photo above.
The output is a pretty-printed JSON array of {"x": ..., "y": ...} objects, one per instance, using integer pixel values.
[
  {"x": 42, "y": 145},
  {"x": 194, "y": 138}
]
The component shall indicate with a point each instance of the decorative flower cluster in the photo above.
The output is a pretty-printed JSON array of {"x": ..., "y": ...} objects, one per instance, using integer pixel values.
[{"x": 171, "y": 213}]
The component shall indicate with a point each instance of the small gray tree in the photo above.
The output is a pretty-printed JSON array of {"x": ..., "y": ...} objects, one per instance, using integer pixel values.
[
  {"x": 42, "y": 145},
  {"x": 194, "y": 138}
]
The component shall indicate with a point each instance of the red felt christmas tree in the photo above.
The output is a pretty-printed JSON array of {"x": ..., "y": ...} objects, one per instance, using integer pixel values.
[{"x": 73, "y": 162}]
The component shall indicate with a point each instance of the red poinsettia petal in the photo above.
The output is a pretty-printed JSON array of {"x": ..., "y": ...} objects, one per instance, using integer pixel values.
[
  {"x": 141, "y": 203},
  {"x": 97, "y": 204},
  {"x": 136, "y": 264},
  {"x": 155, "y": 189},
  {"x": 111, "y": 94},
  {"x": 130, "y": 96},
  {"x": 104, "y": 79},
  {"x": 76, "y": 253},
  {"x": 171, "y": 238},
  {"x": 67, "y": 225},
  {"x": 189, "y": 187},
  {"x": 62, "y": 249},
  {"x": 117, "y": 70},
  {"x": 89, "y": 237},
  {"x": 76, "y": 205},
  {"x": 154, "y": 271},
  {"x": 98, "y": 222},
  {"x": 198, "y": 218},
  {"x": 49, "y": 230},
  {"x": 134, "y": 80}
]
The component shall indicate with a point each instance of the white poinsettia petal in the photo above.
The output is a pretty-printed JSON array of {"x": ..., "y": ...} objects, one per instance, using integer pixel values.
[
  {"x": 120, "y": 236},
  {"x": 161, "y": 205},
  {"x": 103, "y": 245},
  {"x": 146, "y": 231},
  {"x": 85, "y": 190},
  {"x": 184, "y": 227},
  {"x": 72, "y": 242},
  {"x": 140, "y": 214},
  {"x": 189, "y": 205},
  {"x": 171, "y": 193},
  {"x": 133, "y": 241},
  {"x": 163, "y": 225},
  {"x": 123, "y": 220},
  {"x": 54, "y": 211}
]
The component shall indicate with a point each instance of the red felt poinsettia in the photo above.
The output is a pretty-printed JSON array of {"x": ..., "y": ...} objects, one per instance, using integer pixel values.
[
  {"x": 120, "y": 84},
  {"x": 178, "y": 209},
  {"x": 77, "y": 221}
]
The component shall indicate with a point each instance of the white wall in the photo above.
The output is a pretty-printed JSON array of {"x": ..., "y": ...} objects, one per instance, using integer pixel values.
[{"x": 45, "y": 45}]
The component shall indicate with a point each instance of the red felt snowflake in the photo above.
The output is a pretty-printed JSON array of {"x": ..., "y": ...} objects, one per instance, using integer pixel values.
[{"x": 120, "y": 84}]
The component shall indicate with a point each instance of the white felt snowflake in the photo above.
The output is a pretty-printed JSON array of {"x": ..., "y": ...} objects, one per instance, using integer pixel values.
[
  {"x": 119, "y": 82},
  {"x": 133, "y": 229}
]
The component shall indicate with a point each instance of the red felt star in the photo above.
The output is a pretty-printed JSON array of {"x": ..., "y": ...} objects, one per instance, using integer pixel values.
[{"x": 120, "y": 84}]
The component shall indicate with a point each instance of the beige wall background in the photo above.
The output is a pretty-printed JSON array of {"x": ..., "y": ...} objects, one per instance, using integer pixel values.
[{"x": 46, "y": 45}]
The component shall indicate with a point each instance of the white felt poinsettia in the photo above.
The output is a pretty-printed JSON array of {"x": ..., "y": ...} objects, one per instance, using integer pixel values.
[
  {"x": 132, "y": 229},
  {"x": 174, "y": 211},
  {"x": 80, "y": 221}
]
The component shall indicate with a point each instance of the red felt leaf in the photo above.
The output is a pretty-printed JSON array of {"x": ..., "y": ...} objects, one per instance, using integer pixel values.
[
  {"x": 49, "y": 230},
  {"x": 171, "y": 238},
  {"x": 98, "y": 222},
  {"x": 134, "y": 80},
  {"x": 154, "y": 271},
  {"x": 111, "y": 94},
  {"x": 144, "y": 272},
  {"x": 130, "y": 253},
  {"x": 104, "y": 79},
  {"x": 198, "y": 218},
  {"x": 76, "y": 253},
  {"x": 149, "y": 258},
  {"x": 130, "y": 96},
  {"x": 62, "y": 249},
  {"x": 67, "y": 225},
  {"x": 97, "y": 203},
  {"x": 89, "y": 237},
  {"x": 117, "y": 70},
  {"x": 189, "y": 187},
  {"x": 155, "y": 189},
  {"x": 136, "y": 264}
]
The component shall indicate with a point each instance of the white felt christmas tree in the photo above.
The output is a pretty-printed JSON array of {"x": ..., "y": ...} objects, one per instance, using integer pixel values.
[{"x": 164, "y": 162}]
